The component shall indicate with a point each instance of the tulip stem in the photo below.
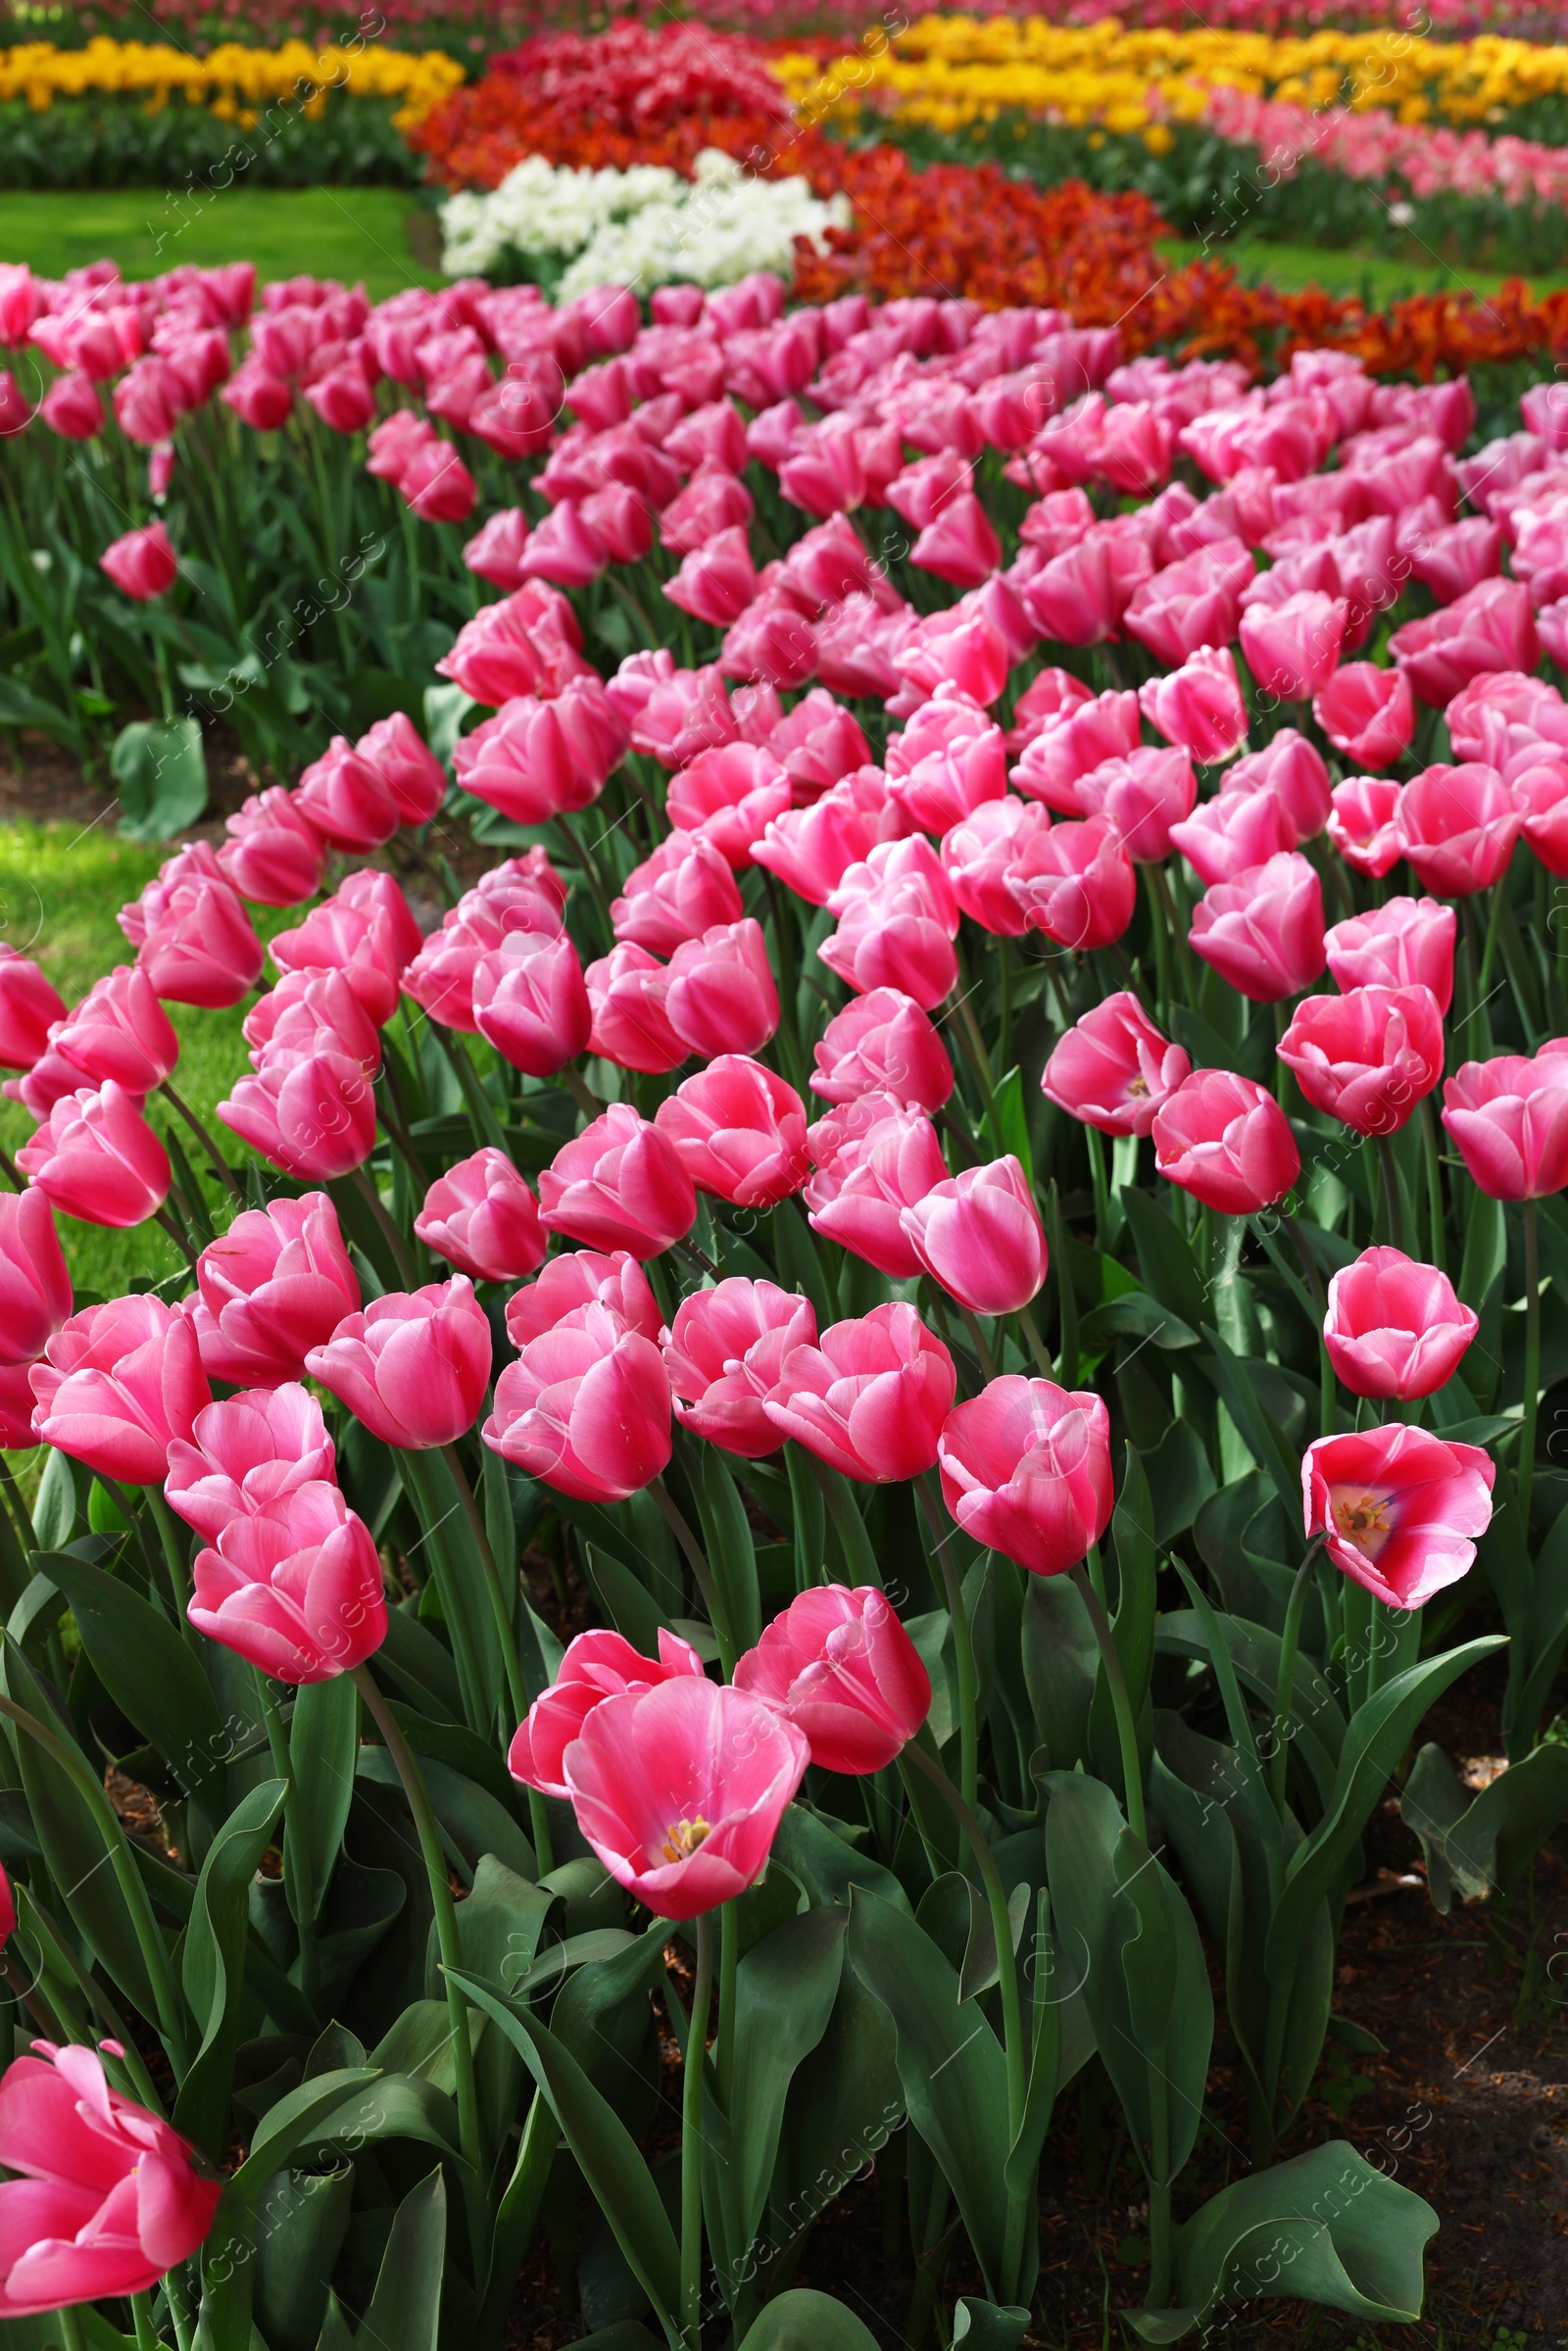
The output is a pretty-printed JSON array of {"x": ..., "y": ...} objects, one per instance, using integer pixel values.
[
  {"x": 1391, "y": 1191},
  {"x": 220, "y": 1166},
  {"x": 962, "y": 1643},
  {"x": 1488, "y": 953},
  {"x": 983, "y": 1354},
  {"x": 729, "y": 1960},
  {"x": 1290, "y": 1642},
  {"x": 691, "y": 2140},
  {"x": 1326, "y": 1390},
  {"x": 850, "y": 1526},
  {"x": 975, "y": 1055},
  {"x": 1036, "y": 1346},
  {"x": 1132, "y": 1770},
  {"x": 1434, "y": 1167},
  {"x": 71, "y": 2334},
  {"x": 296, "y": 1848},
  {"x": 699, "y": 1256},
  {"x": 582, "y": 1094},
  {"x": 1527, "y": 1427},
  {"x": 142, "y": 2312},
  {"x": 583, "y": 857},
  {"x": 515, "y": 1688},
  {"x": 446, "y": 1917},
  {"x": 174, "y": 1561},
  {"x": 393, "y": 1237},
  {"x": 697, "y": 1560},
  {"x": 177, "y": 1235}
]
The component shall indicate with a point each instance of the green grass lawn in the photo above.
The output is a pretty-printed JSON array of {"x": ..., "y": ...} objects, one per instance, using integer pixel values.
[
  {"x": 60, "y": 890},
  {"x": 349, "y": 233},
  {"x": 1371, "y": 275}
]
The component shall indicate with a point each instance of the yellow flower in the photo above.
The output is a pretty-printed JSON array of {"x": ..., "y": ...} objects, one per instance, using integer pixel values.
[{"x": 39, "y": 73}]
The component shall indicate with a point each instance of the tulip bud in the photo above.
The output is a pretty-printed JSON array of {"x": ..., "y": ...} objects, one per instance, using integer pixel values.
[
  {"x": 483, "y": 1219},
  {"x": 1026, "y": 1471},
  {"x": 840, "y": 1666},
  {"x": 869, "y": 1398},
  {"x": 1225, "y": 1140},
  {"x": 34, "y": 1284},
  {"x": 1396, "y": 1328},
  {"x": 294, "y": 1587}
]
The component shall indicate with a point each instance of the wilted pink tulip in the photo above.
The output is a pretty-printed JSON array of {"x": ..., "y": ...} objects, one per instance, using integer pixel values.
[
  {"x": 311, "y": 1113},
  {"x": 585, "y": 1407},
  {"x": 30, "y": 1005},
  {"x": 883, "y": 1043},
  {"x": 722, "y": 1353},
  {"x": 949, "y": 759},
  {"x": 619, "y": 1185},
  {"x": 1398, "y": 1508},
  {"x": 1198, "y": 705},
  {"x": 1457, "y": 827},
  {"x": 721, "y": 998},
  {"x": 349, "y": 801},
  {"x": 1142, "y": 797},
  {"x": 413, "y": 1366},
  {"x": 204, "y": 949},
  {"x": 34, "y": 1284},
  {"x": 405, "y": 765},
  {"x": 679, "y": 1790},
  {"x": 1026, "y": 1471},
  {"x": 684, "y": 889},
  {"x": 294, "y": 1587},
  {"x": 730, "y": 793},
  {"x": 1404, "y": 942},
  {"x": 273, "y": 1287},
  {"x": 1490, "y": 627},
  {"x": 483, "y": 1219},
  {"x": 120, "y": 1030},
  {"x": 106, "y": 2198},
  {"x": 96, "y": 1157},
  {"x": 869, "y": 1399},
  {"x": 245, "y": 1453},
  {"x": 1367, "y": 713},
  {"x": 142, "y": 564},
  {"x": 979, "y": 1235},
  {"x": 897, "y": 920},
  {"x": 1263, "y": 932},
  {"x": 1113, "y": 1069},
  {"x": 1367, "y": 1057},
  {"x": 531, "y": 1002},
  {"x": 740, "y": 1131},
  {"x": 1509, "y": 1119},
  {"x": 584, "y": 1278},
  {"x": 274, "y": 854},
  {"x": 597, "y": 1665},
  {"x": 116, "y": 1384},
  {"x": 839, "y": 1665},
  {"x": 1077, "y": 884},
  {"x": 1365, "y": 826},
  {"x": 1291, "y": 648},
  {"x": 1394, "y": 1327},
  {"x": 1225, "y": 1140}
]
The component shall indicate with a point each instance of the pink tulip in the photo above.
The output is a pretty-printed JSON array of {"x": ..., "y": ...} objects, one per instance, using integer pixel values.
[
  {"x": 1026, "y": 1471},
  {"x": 619, "y": 1184},
  {"x": 721, "y": 997},
  {"x": 105, "y": 2197},
  {"x": 679, "y": 1790},
  {"x": 245, "y": 1453},
  {"x": 684, "y": 889},
  {"x": 274, "y": 854},
  {"x": 529, "y": 643},
  {"x": 1367, "y": 713},
  {"x": 1113, "y": 1069},
  {"x": 361, "y": 941},
  {"x": 839, "y": 1665},
  {"x": 73, "y": 407},
  {"x": 1226, "y": 1141},
  {"x": 1078, "y": 738},
  {"x": 1198, "y": 706},
  {"x": 722, "y": 1353},
  {"x": 883, "y": 1043},
  {"x": 979, "y": 1235},
  {"x": 30, "y": 1007},
  {"x": 820, "y": 744},
  {"x": 405, "y": 765},
  {"x": 740, "y": 1132},
  {"x": 273, "y": 1287},
  {"x": 1509, "y": 1119},
  {"x": 986, "y": 856},
  {"x": 349, "y": 801},
  {"x": 531, "y": 1002},
  {"x": 1365, "y": 826},
  {"x": 585, "y": 1407},
  {"x": 948, "y": 761},
  {"x": 413, "y": 1366},
  {"x": 716, "y": 581},
  {"x": 311, "y": 1113},
  {"x": 1396, "y": 1328},
  {"x": 869, "y": 1399},
  {"x": 34, "y": 1284},
  {"x": 116, "y": 1384},
  {"x": 584, "y": 1278},
  {"x": 142, "y": 564},
  {"x": 1080, "y": 596},
  {"x": 483, "y": 1219},
  {"x": 731, "y": 794},
  {"x": 898, "y": 919},
  {"x": 1457, "y": 827},
  {"x": 1192, "y": 603},
  {"x": 812, "y": 850},
  {"x": 203, "y": 951},
  {"x": 293, "y": 1586},
  {"x": 1458, "y": 557},
  {"x": 437, "y": 485},
  {"x": 1142, "y": 797},
  {"x": 598, "y": 1665},
  {"x": 1076, "y": 884},
  {"x": 1263, "y": 932},
  {"x": 1240, "y": 830},
  {"x": 628, "y": 997},
  {"x": 1398, "y": 1508},
  {"x": 1489, "y": 627},
  {"x": 874, "y": 1158},
  {"x": 963, "y": 652},
  {"x": 120, "y": 1030},
  {"x": 1367, "y": 1057},
  {"x": 1291, "y": 648},
  {"x": 958, "y": 543},
  {"x": 96, "y": 1157},
  {"x": 257, "y": 398},
  {"x": 310, "y": 1011},
  {"x": 536, "y": 760},
  {"x": 1405, "y": 941}
]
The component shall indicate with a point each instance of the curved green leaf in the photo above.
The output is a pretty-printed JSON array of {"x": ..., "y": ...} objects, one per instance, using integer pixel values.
[
  {"x": 803, "y": 2320},
  {"x": 213, "y": 1964}
]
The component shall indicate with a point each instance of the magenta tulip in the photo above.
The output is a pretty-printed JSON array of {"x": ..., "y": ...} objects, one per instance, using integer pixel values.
[
  {"x": 273, "y": 1287},
  {"x": 120, "y": 1030},
  {"x": 1263, "y": 932},
  {"x": 274, "y": 854},
  {"x": 883, "y": 1043},
  {"x": 1367, "y": 1057},
  {"x": 245, "y": 1453},
  {"x": 117, "y": 1384},
  {"x": 1365, "y": 826},
  {"x": 293, "y": 1586},
  {"x": 1394, "y": 1327},
  {"x": 619, "y": 1185},
  {"x": 311, "y": 1113},
  {"x": 598, "y": 1664},
  {"x": 483, "y": 1219},
  {"x": 1457, "y": 827},
  {"x": 1509, "y": 1119},
  {"x": 1225, "y": 1140},
  {"x": 684, "y": 889},
  {"x": 1113, "y": 1069},
  {"x": 96, "y": 1157},
  {"x": 30, "y": 1005},
  {"x": 142, "y": 565},
  {"x": 721, "y": 998},
  {"x": 869, "y": 1399},
  {"x": 1026, "y": 1471},
  {"x": 585, "y": 1407},
  {"x": 349, "y": 801},
  {"x": 413, "y": 1366},
  {"x": 1399, "y": 1509},
  {"x": 34, "y": 1283},
  {"x": 874, "y": 1158},
  {"x": 1198, "y": 705},
  {"x": 1404, "y": 942},
  {"x": 839, "y": 1665},
  {"x": 1367, "y": 713},
  {"x": 979, "y": 1235},
  {"x": 531, "y": 1002},
  {"x": 740, "y": 1131},
  {"x": 584, "y": 1277},
  {"x": 722, "y": 1353}
]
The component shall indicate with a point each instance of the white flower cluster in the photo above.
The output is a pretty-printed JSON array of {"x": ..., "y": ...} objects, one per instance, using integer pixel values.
[{"x": 640, "y": 228}]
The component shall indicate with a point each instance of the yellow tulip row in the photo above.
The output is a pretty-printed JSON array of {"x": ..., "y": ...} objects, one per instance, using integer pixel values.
[
  {"x": 232, "y": 78},
  {"x": 946, "y": 71}
]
